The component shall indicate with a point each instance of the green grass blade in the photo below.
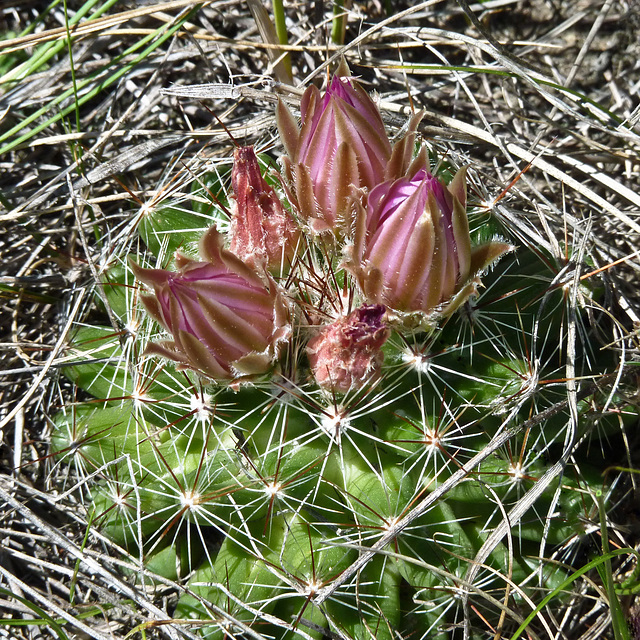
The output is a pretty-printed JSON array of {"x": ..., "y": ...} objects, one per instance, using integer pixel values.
[
  {"x": 156, "y": 41},
  {"x": 43, "y": 619},
  {"x": 72, "y": 66},
  {"x": 44, "y": 53},
  {"x": 587, "y": 567},
  {"x": 620, "y": 630}
]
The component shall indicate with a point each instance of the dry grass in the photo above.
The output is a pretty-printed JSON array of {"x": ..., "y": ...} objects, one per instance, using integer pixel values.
[{"x": 542, "y": 99}]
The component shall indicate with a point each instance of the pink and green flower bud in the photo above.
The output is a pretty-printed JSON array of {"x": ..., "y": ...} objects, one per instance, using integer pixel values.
[
  {"x": 225, "y": 321},
  {"x": 262, "y": 233},
  {"x": 413, "y": 250},
  {"x": 341, "y": 145},
  {"x": 347, "y": 354}
]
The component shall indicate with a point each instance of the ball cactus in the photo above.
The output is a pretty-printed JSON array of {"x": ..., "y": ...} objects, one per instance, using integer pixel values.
[{"x": 368, "y": 416}]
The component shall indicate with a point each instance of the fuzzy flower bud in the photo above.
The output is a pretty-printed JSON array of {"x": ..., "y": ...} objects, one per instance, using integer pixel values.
[
  {"x": 346, "y": 354},
  {"x": 412, "y": 248},
  {"x": 341, "y": 145},
  {"x": 224, "y": 320},
  {"x": 262, "y": 233}
]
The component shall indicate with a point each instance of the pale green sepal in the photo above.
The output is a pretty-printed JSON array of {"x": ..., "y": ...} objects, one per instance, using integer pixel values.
[
  {"x": 288, "y": 129},
  {"x": 485, "y": 254}
]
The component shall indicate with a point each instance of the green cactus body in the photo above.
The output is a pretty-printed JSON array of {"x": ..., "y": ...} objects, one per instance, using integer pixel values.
[{"x": 265, "y": 493}]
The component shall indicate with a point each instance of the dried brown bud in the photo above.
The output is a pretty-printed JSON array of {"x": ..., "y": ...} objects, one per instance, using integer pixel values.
[{"x": 347, "y": 353}]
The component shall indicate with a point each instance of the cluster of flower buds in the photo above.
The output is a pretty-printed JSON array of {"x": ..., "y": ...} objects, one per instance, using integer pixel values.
[{"x": 404, "y": 232}]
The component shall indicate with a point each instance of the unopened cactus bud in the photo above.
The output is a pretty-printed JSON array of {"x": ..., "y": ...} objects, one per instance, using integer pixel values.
[
  {"x": 225, "y": 321},
  {"x": 262, "y": 233},
  {"x": 347, "y": 353},
  {"x": 341, "y": 144},
  {"x": 413, "y": 249}
]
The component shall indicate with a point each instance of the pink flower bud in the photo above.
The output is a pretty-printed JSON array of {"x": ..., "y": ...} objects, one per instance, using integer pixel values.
[
  {"x": 262, "y": 233},
  {"x": 346, "y": 354},
  {"x": 341, "y": 145},
  {"x": 224, "y": 320},
  {"x": 412, "y": 248}
]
